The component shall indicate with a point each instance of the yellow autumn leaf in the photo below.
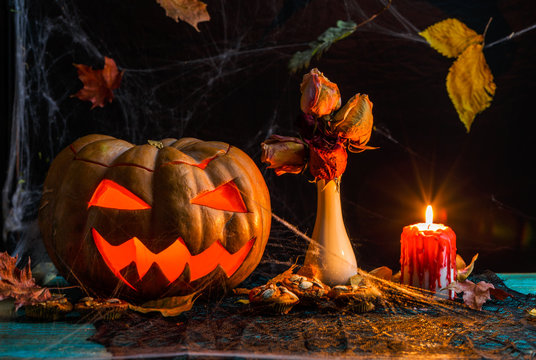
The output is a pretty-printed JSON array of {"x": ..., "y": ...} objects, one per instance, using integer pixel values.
[
  {"x": 451, "y": 37},
  {"x": 191, "y": 11},
  {"x": 470, "y": 84}
]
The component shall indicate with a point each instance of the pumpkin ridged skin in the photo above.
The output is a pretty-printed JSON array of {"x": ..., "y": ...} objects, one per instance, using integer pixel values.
[{"x": 166, "y": 179}]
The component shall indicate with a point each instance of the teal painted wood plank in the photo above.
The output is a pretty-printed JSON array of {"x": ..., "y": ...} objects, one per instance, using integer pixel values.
[
  {"x": 524, "y": 283},
  {"x": 23, "y": 340}
]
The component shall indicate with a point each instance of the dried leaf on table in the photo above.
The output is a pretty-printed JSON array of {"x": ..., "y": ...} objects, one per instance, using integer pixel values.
[
  {"x": 451, "y": 37},
  {"x": 18, "y": 284},
  {"x": 474, "y": 295},
  {"x": 190, "y": 11},
  {"x": 382, "y": 272},
  {"x": 470, "y": 84},
  {"x": 464, "y": 270},
  {"x": 98, "y": 84},
  {"x": 356, "y": 280},
  {"x": 499, "y": 294},
  {"x": 170, "y": 306},
  {"x": 241, "y": 291}
]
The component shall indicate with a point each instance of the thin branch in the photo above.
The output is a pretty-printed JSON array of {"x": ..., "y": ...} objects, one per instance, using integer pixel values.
[
  {"x": 375, "y": 15},
  {"x": 486, "y": 29},
  {"x": 511, "y": 36}
]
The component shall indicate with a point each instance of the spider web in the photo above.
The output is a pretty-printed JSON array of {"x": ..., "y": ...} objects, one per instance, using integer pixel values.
[{"x": 232, "y": 78}]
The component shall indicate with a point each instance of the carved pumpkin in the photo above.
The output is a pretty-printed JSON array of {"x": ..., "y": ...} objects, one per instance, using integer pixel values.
[{"x": 149, "y": 221}]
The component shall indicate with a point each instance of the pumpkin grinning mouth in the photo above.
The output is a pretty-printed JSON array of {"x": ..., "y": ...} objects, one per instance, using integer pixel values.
[{"x": 171, "y": 260}]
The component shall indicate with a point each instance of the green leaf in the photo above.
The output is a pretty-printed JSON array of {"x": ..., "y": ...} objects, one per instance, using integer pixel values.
[{"x": 302, "y": 59}]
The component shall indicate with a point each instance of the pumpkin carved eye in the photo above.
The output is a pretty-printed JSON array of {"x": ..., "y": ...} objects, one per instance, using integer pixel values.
[
  {"x": 110, "y": 194},
  {"x": 225, "y": 197}
]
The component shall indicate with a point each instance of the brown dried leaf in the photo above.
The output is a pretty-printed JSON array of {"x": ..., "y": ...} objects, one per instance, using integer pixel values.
[
  {"x": 190, "y": 11},
  {"x": 470, "y": 84},
  {"x": 19, "y": 284},
  {"x": 499, "y": 294},
  {"x": 474, "y": 295},
  {"x": 241, "y": 291},
  {"x": 451, "y": 37},
  {"x": 170, "y": 306},
  {"x": 98, "y": 84}
]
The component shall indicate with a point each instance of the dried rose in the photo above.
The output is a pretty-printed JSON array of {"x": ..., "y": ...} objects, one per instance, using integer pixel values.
[
  {"x": 319, "y": 95},
  {"x": 326, "y": 161},
  {"x": 354, "y": 122},
  {"x": 284, "y": 154}
]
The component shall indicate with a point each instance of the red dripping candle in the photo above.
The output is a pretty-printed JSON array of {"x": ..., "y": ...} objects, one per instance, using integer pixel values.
[{"x": 428, "y": 255}]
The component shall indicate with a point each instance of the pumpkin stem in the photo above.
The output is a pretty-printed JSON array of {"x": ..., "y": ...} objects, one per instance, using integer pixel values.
[{"x": 157, "y": 144}]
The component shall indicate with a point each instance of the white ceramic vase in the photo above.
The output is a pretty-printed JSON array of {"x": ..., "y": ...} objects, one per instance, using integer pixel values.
[{"x": 330, "y": 252}]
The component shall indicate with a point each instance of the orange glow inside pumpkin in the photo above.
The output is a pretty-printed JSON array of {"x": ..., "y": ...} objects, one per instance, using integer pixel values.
[
  {"x": 110, "y": 194},
  {"x": 174, "y": 258},
  {"x": 225, "y": 197},
  {"x": 171, "y": 260}
]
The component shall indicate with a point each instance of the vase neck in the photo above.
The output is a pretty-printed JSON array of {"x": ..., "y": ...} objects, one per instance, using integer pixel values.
[{"x": 328, "y": 200}]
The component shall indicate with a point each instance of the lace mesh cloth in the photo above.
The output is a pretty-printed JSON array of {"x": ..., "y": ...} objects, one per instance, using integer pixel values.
[{"x": 400, "y": 326}]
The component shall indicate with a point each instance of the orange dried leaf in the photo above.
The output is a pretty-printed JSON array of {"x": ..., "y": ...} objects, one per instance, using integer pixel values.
[
  {"x": 470, "y": 84},
  {"x": 464, "y": 270},
  {"x": 98, "y": 84},
  {"x": 19, "y": 284},
  {"x": 191, "y": 11},
  {"x": 451, "y": 37},
  {"x": 382, "y": 272}
]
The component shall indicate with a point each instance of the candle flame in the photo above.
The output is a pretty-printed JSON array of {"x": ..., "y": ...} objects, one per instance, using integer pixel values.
[{"x": 429, "y": 215}]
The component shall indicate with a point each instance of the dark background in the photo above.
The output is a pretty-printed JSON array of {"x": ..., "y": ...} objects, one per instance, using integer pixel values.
[{"x": 230, "y": 82}]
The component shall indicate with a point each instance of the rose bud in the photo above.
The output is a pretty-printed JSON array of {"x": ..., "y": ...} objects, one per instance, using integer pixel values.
[
  {"x": 284, "y": 154},
  {"x": 354, "y": 122},
  {"x": 327, "y": 161},
  {"x": 319, "y": 95}
]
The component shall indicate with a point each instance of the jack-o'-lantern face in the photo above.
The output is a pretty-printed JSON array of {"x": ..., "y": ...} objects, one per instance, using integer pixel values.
[{"x": 154, "y": 222}]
